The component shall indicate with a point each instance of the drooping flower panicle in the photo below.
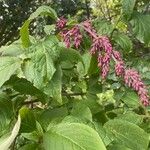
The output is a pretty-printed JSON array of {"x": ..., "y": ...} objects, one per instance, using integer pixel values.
[
  {"x": 133, "y": 80},
  {"x": 102, "y": 47}
]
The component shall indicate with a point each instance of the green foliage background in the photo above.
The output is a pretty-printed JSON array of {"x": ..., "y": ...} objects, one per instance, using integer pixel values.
[{"x": 57, "y": 95}]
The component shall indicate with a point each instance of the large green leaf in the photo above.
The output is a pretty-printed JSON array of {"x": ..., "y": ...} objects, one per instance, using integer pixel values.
[
  {"x": 12, "y": 50},
  {"x": 8, "y": 66},
  {"x": 6, "y": 142},
  {"x": 23, "y": 86},
  {"x": 128, "y": 134},
  {"x": 123, "y": 41},
  {"x": 51, "y": 114},
  {"x": 40, "y": 68},
  {"x": 140, "y": 26},
  {"x": 24, "y": 32},
  {"x": 95, "y": 125},
  {"x": 127, "y": 8},
  {"x": 71, "y": 136}
]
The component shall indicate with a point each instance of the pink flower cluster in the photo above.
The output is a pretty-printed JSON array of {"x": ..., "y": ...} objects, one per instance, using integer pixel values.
[
  {"x": 72, "y": 35},
  {"x": 102, "y": 47},
  {"x": 133, "y": 80},
  {"x": 61, "y": 23},
  {"x": 119, "y": 66}
]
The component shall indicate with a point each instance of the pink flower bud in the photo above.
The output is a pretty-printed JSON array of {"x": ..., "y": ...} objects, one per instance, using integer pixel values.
[{"x": 61, "y": 23}]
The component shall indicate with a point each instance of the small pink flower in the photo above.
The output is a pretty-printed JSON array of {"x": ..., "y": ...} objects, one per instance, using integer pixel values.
[{"x": 117, "y": 55}]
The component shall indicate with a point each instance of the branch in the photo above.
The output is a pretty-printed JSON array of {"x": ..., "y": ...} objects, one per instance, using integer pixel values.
[
  {"x": 30, "y": 102},
  {"x": 63, "y": 94},
  {"x": 73, "y": 94}
]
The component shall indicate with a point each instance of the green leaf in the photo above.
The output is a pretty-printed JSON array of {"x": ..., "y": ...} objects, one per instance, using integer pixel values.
[
  {"x": 70, "y": 55},
  {"x": 24, "y": 32},
  {"x": 6, "y": 142},
  {"x": 74, "y": 119},
  {"x": 103, "y": 27},
  {"x": 14, "y": 49},
  {"x": 94, "y": 87},
  {"x": 8, "y": 66},
  {"x": 43, "y": 10},
  {"x": 35, "y": 135},
  {"x": 6, "y": 113},
  {"x": 40, "y": 67},
  {"x": 128, "y": 134},
  {"x": 117, "y": 147},
  {"x": 123, "y": 41},
  {"x": 140, "y": 26},
  {"x": 72, "y": 136},
  {"x": 49, "y": 29},
  {"x": 83, "y": 69},
  {"x": 82, "y": 111},
  {"x": 131, "y": 117},
  {"x": 89, "y": 65},
  {"x": 28, "y": 123},
  {"x": 51, "y": 114},
  {"x": 23, "y": 86},
  {"x": 54, "y": 87},
  {"x": 131, "y": 99},
  {"x": 102, "y": 132},
  {"x": 91, "y": 101},
  {"x": 127, "y": 8},
  {"x": 95, "y": 125},
  {"x": 93, "y": 68},
  {"x": 29, "y": 147}
]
